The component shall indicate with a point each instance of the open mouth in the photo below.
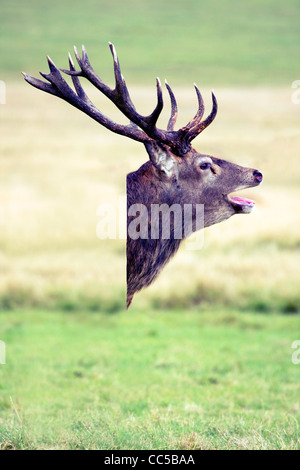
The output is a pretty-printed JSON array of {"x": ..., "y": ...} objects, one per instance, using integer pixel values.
[{"x": 241, "y": 204}]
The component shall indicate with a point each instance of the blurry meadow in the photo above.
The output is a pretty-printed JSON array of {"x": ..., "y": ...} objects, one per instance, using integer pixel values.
[{"x": 81, "y": 372}]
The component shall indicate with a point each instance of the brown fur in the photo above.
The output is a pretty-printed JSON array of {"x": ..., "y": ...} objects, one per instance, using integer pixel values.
[{"x": 187, "y": 184}]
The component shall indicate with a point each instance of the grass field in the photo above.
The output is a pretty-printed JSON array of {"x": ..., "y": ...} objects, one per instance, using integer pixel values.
[
  {"x": 206, "y": 365},
  {"x": 218, "y": 42},
  {"x": 202, "y": 360},
  {"x": 214, "y": 379}
]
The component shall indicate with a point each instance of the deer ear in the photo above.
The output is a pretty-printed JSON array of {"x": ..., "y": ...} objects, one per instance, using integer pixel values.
[{"x": 161, "y": 157}]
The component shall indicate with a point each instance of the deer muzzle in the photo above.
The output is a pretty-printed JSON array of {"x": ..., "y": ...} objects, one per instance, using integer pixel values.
[{"x": 244, "y": 205}]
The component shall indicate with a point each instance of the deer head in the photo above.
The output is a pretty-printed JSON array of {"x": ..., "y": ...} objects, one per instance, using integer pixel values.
[{"x": 175, "y": 173}]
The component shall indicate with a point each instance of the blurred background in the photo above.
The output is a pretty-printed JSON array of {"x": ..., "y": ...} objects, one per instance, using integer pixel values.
[{"x": 57, "y": 165}]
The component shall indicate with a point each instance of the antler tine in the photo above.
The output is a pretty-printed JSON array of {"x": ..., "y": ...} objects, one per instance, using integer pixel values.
[
  {"x": 76, "y": 82},
  {"x": 200, "y": 126},
  {"x": 126, "y": 105},
  {"x": 47, "y": 87},
  {"x": 52, "y": 68},
  {"x": 121, "y": 91},
  {"x": 174, "y": 108},
  {"x": 88, "y": 72},
  {"x": 84, "y": 54},
  {"x": 201, "y": 108},
  {"x": 64, "y": 91},
  {"x": 72, "y": 71},
  {"x": 83, "y": 61},
  {"x": 120, "y": 82},
  {"x": 198, "y": 116},
  {"x": 152, "y": 119},
  {"x": 59, "y": 85}
]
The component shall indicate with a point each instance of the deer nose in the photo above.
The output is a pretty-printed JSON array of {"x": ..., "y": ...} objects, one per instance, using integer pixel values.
[{"x": 258, "y": 175}]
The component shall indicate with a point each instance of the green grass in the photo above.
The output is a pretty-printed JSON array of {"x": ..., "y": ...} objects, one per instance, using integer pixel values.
[
  {"x": 149, "y": 380},
  {"x": 203, "y": 358},
  {"x": 216, "y": 42}
]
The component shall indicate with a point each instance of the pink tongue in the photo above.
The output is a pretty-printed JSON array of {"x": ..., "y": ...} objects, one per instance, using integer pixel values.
[{"x": 243, "y": 201}]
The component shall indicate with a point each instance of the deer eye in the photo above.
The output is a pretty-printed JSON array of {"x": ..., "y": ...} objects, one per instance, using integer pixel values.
[{"x": 205, "y": 166}]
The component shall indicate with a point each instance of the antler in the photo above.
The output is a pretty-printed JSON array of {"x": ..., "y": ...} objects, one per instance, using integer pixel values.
[{"x": 141, "y": 128}]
